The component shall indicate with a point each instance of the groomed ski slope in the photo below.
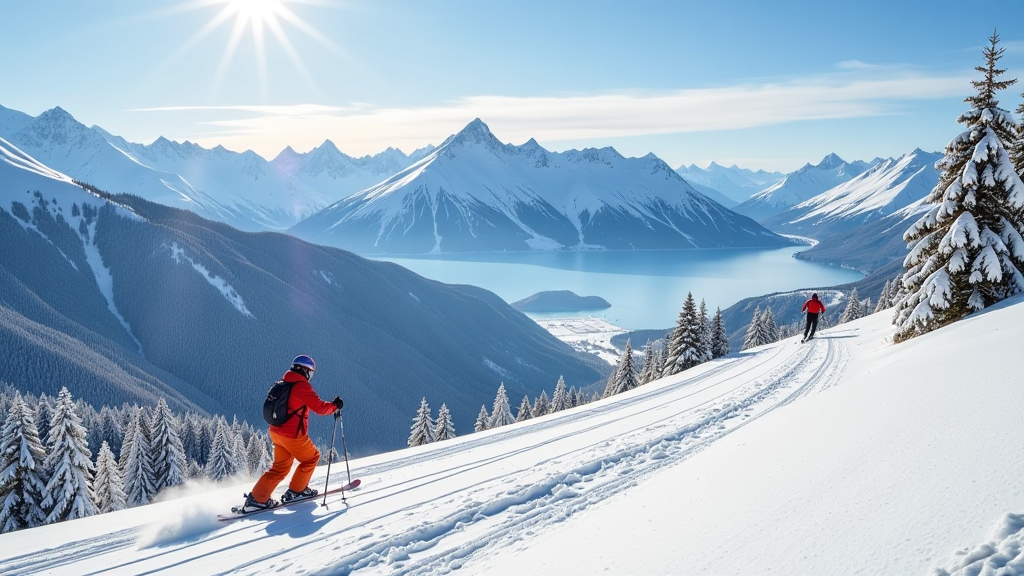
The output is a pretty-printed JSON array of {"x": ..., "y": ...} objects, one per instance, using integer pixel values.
[{"x": 845, "y": 455}]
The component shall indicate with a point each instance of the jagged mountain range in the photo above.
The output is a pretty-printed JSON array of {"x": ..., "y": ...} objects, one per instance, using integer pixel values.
[
  {"x": 728, "y": 186},
  {"x": 475, "y": 193},
  {"x": 802, "y": 185},
  {"x": 240, "y": 189},
  {"x": 883, "y": 189},
  {"x": 125, "y": 300}
]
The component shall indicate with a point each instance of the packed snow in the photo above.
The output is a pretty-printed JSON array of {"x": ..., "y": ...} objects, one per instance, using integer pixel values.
[{"x": 844, "y": 455}]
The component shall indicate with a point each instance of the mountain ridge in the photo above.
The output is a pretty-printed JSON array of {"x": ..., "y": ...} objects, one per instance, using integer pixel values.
[{"x": 474, "y": 193}]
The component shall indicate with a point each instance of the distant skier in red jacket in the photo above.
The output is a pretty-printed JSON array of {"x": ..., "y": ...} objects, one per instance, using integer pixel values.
[
  {"x": 291, "y": 441},
  {"x": 813, "y": 307}
]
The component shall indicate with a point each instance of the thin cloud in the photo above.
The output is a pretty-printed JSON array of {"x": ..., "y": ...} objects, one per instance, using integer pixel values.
[{"x": 860, "y": 90}]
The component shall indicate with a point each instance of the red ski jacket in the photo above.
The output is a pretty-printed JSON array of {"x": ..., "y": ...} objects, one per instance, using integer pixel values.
[
  {"x": 814, "y": 306},
  {"x": 302, "y": 398}
]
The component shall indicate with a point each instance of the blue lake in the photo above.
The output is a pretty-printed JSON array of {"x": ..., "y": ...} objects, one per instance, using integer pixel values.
[{"x": 645, "y": 288}]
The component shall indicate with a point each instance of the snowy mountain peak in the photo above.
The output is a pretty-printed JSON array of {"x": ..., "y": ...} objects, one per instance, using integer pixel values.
[
  {"x": 831, "y": 161},
  {"x": 55, "y": 126},
  {"x": 476, "y": 132}
]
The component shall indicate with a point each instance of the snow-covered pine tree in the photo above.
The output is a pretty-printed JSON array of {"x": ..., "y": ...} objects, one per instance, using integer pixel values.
[
  {"x": 422, "y": 429},
  {"x": 719, "y": 337},
  {"x": 257, "y": 459},
  {"x": 137, "y": 460},
  {"x": 647, "y": 373},
  {"x": 21, "y": 461},
  {"x": 883, "y": 297},
  {"x": 169, "y": 461},
  {"x": 113, "y": 434},
  {"x": 769, "y": 329},
  {"x": 501, "y": 414},
  {"x": 483, "y": 420},
  {"x": 560, "y": 400},
  {"x": 580, "y": 398},
  {"x": 541, "y": 404},
  {"x": 852, "y": 311},
  {"x": 525, "y": 409},
  {"x": 705, "y": 330},
  {"x": 1017, "y": 149},
  {"x": 445, "y": 428},
  {"x": 624, "y": 378},
  {"x": 690, "y": 345},
  {"x": 107, "y": 485},
  {"x": 754, "y": 330},
  {"x": 224, "y": 461},
  {"x": 966, "y": 251},
  {"x": 69, "y": 491},
  {"x": 44, "y": 415},
  {"x": 674, "y": 343}
]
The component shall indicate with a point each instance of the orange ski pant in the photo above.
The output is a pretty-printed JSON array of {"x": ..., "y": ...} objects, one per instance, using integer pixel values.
[{"x": 286, "y": 451}]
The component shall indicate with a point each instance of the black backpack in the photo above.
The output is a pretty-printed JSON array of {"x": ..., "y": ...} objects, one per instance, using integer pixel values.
[{"x": 275, "y": 407}]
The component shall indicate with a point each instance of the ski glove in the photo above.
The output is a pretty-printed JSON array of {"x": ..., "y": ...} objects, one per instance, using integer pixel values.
[{"x": 338, "y": 402}]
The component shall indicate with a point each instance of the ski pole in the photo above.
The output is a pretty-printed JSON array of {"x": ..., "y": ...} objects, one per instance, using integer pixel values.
[
  {"x": 344, "y": 448},
  {"x": 330, "y": 455}
]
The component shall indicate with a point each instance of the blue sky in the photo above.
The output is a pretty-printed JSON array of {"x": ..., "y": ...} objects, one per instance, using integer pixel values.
[{"x": 761, "y": 84}]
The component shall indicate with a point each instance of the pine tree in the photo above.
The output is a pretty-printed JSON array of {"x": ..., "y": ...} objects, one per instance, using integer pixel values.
[
  {"x": 483, "y": 420},
  {"x": 44, "y": 415},
  {"x": 169, "y": 461},
  {"x": 113, "y": 434},
  {"x": 525, "y": 409},
  {"x": 422, "y": 430},
  {"x": 966, "y": 251},
  {"x": 1017, "y": 149},
  {"x": 445, "y": 429},
  {"x": 852, "y": 311},
  {"x": 136, "y": 460},
  {"x": 883, "y": 298},
  {"x": 674, "y": 344},
  {"x": 501, "y": 414},
  {"x": 647, "y": 373},
  {"x": 624, "y": 378},
  {"x": 21, "y": 461},
  {"x": 224, "y": 460},
  {"x": 689, "y": 340},
  {"x": 540, "y": 405},
  {"x": 704, "y": 324},
  {"x": 769, "y": 330},
  {"x": 560, "y": 400},
  {"x": 69, "y": 492},
  {"x": 107, "y": 484},
  {"x": 754, "y": 331},
  {"x": 719, "y": 337},
  {"x": 257, "y": 458},
  {"x": 580, "y": 398}
]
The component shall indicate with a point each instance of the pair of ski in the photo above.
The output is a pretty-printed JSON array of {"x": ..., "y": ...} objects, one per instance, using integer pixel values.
[{"x": 237, "y": 511}]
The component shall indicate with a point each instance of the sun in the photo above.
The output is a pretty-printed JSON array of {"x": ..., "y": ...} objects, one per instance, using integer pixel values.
[
  {"x": 258, "y": 12},
  {"x": 255, "y": 18}
]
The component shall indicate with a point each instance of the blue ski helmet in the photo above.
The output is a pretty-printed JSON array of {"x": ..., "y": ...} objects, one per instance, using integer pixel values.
[{"x": 304, "y": 361}]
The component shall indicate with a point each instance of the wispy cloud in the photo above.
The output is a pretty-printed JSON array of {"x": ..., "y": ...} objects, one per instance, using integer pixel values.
[{"x": 858, "y": 90}]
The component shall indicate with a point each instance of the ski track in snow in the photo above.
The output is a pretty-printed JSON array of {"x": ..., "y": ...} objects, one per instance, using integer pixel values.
[{"x": 485, "y": 497}]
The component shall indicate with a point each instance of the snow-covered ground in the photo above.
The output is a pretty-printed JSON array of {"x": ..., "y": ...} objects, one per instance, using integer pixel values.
[
  {"x": 591, "y": 335},
  {"x": 845, "y": 455}
]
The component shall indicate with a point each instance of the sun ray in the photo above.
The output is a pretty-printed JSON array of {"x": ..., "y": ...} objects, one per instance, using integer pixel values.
[
  {"x": 293, "y": 54},
  {"x": 228, "y": 56}
]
